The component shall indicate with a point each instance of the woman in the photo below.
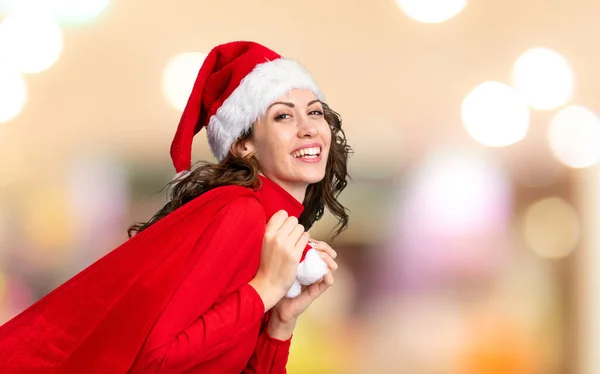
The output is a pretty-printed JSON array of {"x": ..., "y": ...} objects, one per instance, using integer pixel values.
[{"x": 200, "y": 288}]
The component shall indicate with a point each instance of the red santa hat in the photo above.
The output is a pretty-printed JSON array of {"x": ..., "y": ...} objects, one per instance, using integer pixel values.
[{"x": 236, "y": 84}]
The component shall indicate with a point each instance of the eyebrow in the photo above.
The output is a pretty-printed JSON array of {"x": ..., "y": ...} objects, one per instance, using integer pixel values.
[{"x": 291, "y": 105}]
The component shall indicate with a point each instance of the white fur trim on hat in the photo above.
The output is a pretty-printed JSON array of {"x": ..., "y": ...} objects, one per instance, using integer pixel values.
[{"x": 256, "y": 91}]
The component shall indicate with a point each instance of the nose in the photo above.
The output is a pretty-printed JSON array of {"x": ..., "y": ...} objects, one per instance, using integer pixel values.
[{"x": 307, "y": 128}]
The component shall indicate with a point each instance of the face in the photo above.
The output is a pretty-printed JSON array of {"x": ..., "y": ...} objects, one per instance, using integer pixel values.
[{"x": 291, "y": 142}]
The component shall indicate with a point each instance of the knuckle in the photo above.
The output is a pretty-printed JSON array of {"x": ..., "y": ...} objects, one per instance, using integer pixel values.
[
  {"x": 279, "y": 240},
  {"x": 275, "y": 218}
]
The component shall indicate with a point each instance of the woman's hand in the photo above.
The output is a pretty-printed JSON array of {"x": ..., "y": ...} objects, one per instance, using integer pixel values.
[
  {"x": 282, "y": 247},
  {"x": 286, "y": 311}
]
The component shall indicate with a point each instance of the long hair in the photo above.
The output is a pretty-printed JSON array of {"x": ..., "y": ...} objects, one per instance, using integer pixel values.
[{"x": 244, "y": 171}]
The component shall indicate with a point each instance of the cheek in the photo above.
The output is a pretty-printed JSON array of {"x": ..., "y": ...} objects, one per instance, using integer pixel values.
[
  {"x": 272, "y": 152},
  {"x": 280, "y": 141},
  {"x": 326, "y": 131},
  {"x": 276, "y": 153}
]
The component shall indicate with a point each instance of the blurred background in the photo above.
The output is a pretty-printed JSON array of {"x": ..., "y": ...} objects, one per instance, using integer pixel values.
[{"x": 472, "y": 247}]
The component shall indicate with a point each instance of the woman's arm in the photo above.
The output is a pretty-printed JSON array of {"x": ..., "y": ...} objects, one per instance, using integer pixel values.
[
  {"x": 272, "y": 350},
  {"x": 212, "y": 334},
  {"x": 273, "y": 347},
  {"x": 199, "y": 323}
]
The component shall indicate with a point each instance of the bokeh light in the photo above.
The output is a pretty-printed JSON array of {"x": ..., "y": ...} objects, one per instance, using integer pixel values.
[
  {"x": 78, "y": 11},
  {"x": 551, "y": 227},
  {"x": 544, "y": 78},
  {"x": 494, "y": 115},
  {"x": 574, "y": 136},
  {"x": 458, "y": 202},
  {"x": 462, "y": 193},
  {"x": 431, "y": 11},
  {"x": 13, "y": 93},
  {"x": 179, "y": 77},
  {"x": 31, "y": 41},
  {"x": 65, "y": 11}
]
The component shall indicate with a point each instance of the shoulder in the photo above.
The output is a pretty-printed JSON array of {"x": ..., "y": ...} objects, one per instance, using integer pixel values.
[
  {"x": 242, "y": 203},
  {"x": 240, "y": 218}
]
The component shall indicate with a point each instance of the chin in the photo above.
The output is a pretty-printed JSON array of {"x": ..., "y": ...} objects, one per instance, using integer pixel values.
[{"x": 311, "y": 178}]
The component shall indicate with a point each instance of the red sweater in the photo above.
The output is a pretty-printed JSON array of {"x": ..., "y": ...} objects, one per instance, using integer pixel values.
[
  {"x": 173, "y": 299},
  {"x": 223, "y": 339}
]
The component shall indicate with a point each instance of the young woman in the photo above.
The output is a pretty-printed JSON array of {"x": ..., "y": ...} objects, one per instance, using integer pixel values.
[{"x": 200, "y": 288}]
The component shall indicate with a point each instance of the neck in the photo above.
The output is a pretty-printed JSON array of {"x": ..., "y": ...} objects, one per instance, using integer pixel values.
[{"x": 298, "y": 193}]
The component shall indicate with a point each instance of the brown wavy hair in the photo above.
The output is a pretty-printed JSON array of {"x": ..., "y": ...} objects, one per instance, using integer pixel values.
[{"x": 244, "y": 171}]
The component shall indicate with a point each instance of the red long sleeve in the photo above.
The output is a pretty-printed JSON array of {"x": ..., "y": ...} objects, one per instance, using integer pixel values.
[
  {"x": 270, "y": 355},
  {"x": 183, "y": 339},
  {"x": 215, "y": 332}
]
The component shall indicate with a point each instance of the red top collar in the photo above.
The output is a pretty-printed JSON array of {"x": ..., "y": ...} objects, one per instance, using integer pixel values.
[{"x": 274, "y": 198}]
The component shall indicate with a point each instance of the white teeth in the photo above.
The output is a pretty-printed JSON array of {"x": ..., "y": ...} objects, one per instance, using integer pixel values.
[{"x": 307, "y": 152}]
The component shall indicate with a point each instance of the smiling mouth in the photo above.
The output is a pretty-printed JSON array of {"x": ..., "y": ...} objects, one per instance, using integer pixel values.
[{"x": 307, "y": 153}]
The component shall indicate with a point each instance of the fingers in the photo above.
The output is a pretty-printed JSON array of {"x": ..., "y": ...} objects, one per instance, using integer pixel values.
[
  {"x": 322, "y": 286},
  {"x": 281, "y": 223},
  {"x": 331, "y": 264},
  {"x": 324, "y": 247},
  {"x": 316, "y": 289},
  {"x": 302, "y": 242},
  {"x": 289, "y": 225},
  {"x": 277, "y": 221},
  {"x": 327, "y": 254},
  {"x": 328, "y": 279},
  {"x": 296, "y": 232}
]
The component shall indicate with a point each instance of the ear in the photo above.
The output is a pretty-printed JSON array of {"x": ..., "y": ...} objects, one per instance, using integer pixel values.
[{"x": 243, "y": 148}]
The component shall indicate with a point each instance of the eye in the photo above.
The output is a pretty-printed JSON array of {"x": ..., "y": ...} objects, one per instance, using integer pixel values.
[
  {"x": 315, "y": 113},
  {"x": 281, "y": 117}
]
